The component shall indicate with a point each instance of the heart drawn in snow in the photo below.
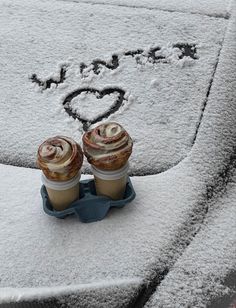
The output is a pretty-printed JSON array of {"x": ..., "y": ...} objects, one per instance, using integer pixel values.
[{"x": 90, "y": 105}]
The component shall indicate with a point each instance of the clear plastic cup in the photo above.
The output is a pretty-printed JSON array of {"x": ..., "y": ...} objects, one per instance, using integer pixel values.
[
  {"x": 111, "y": 183},
  {"x": 62, "y": 194}
]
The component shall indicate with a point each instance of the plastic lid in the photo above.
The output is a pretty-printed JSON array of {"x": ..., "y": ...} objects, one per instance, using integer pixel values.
[
  {"x": 111, "y": 175},
  {"x": 60, "y": 185}
]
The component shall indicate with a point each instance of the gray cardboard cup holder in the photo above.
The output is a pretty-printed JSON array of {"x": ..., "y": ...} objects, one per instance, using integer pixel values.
[{"x": 89, "y": 207}]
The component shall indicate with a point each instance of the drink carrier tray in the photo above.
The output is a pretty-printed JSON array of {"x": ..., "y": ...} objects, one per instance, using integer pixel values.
[{"x": 89, "y": 207}]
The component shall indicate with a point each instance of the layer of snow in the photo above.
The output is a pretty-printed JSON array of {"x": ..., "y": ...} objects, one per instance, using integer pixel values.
[
  {"x": 217, "y": 8},
  {"x": 108, "y": 294},
  {"x": 149, "y": 233},
  {"x": 141, "y": 240},
  {"x": 92, "y": 106},
  {"x": 41, "y": 251},
  {"x": 198, "y": 276},
  {"x": 137, "y": 243},
  {"x": 162, "y": 119},
  {"x": 219, "y": 119},
  {"x": 201, "y": 277}
]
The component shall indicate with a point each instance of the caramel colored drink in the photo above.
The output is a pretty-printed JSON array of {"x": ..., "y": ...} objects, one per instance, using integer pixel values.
[
  {"x": 108, "y": 148},
  {"x": 61, "y": 199},
  {"x": 62, "y": 194},
  {"x": 111, "y": 183},
  {"x": 60, "y": 159}
]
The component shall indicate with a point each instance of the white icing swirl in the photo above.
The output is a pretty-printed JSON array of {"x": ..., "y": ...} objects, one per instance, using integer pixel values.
[
  {"x": 108, "y": 146},
  {"x": 60, "y": 158}
]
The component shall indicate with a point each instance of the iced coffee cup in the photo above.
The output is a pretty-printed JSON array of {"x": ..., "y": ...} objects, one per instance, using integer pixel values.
[
  {"x": 60, "y": 158},
  {"x": 108, "y": 148}
]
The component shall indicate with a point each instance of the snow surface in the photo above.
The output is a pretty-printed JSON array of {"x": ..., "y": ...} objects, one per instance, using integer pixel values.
[
  {"x": 149, "y": 234},
  {"x": 43, "y": 251},
  {"x": 162, "y": 119},
  {"x": 110, "y": 294},
  {"x": 217, "y": 8},
  {"x": 69, "y": 263},
  {"x": 204, "y": 276},
  {"x": 88, "y": 101},
  {"x": 198, "y": 276}
]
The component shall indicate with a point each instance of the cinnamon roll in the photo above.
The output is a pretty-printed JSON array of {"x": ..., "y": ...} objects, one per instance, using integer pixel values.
[
  {"x": 108, "y": 146},
  {"x": 60, "y": 158}
]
